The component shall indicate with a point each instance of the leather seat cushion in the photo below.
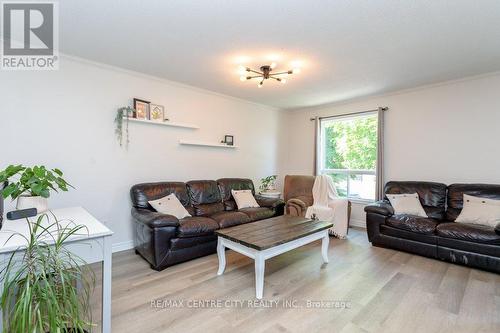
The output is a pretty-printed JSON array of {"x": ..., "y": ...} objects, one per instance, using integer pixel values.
[
  {"x": 421, "y": 225},
  {"x": 258, "y": 213},
  {"x": 196, "y": 226},
  {"x": 229, "y": 219},
  {"x": 468, "y": 232}
]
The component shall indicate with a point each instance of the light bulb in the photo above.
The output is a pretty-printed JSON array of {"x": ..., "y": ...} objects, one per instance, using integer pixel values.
[
  {"x": 259, "y": 85},
  {"x": 296, "y": 71},
  {"x": 242, "y": 70},
  {"x": 243, "y": 78},
  {"x": 273, "y": 65},
  {"x": 283, "y": 81}
]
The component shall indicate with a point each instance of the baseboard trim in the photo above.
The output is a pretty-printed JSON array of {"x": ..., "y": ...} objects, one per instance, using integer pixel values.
[
  {"x": 122, "y": 246},
  {"x": 358, "y": 223}
]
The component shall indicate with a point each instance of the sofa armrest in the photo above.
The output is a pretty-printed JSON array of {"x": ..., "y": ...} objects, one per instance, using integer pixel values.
[
  {"x": 381, "y": 208},
  {"x": 497, "y": 229},
  {"x": 297, "y": 202},
  {"x": 154, "y": 219},
  {"x": 295, "y": 207},
  {"x": 269, "y": 202}
]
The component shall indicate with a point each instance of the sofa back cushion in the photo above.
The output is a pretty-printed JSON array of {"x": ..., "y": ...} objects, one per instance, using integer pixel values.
[
  {"x": 456, "y": 196},
  {"x": 205, "y": 197},
  {"x": 228, "y": 184},
  {"x": 432, "y": 195},
  {"x": 299, "y": 187},
  {"x": 142, "y": 193}
]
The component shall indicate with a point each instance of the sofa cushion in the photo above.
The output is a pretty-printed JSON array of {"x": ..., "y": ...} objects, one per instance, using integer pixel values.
[
  {"x": 196, "y": 226},
  {"x": 421, "y": 225},
  {"x": 456, "y": 196},
  {"x": 170, "y": 205},
  {"x": 229, "y": 219},
  {"x": 408, "y": 203},
  {"x": 142, "y": 193},
  {"x": 228, "y": 184},
  {"x": 432, "y": 195},
  {"x": 258, "y": 213},
  {"x": 205, "y": 197},
  {"x": 468, "y": 232}
]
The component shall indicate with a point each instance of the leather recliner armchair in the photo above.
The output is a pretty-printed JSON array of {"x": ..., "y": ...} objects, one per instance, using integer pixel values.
[{"x": 297, "y": 192}]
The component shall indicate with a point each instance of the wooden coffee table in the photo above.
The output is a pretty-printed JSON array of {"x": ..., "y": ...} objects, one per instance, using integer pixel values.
[{"x": 267, "y": 238}]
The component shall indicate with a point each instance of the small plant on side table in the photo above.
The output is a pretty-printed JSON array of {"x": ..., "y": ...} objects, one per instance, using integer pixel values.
[{"x": 268, "y": 183}]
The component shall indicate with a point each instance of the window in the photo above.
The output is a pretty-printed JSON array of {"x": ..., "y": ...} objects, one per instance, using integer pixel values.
[{"x": 348, "y": 153}]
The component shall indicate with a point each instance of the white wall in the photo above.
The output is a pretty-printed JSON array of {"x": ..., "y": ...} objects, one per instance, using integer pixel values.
[
  {"x": 446, "y": 133},
  {"x": 65, "y": 119}
]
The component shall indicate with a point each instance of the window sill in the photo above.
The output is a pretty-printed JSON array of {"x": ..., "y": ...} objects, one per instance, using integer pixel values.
[{"x": 361, "y": 201}]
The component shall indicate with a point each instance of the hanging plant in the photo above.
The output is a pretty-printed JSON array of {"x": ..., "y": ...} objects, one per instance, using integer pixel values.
[{"x": 123, "y": 112}]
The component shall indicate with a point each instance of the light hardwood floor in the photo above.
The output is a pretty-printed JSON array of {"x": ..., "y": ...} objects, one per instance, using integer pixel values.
[{"x": 387, "y": 290}]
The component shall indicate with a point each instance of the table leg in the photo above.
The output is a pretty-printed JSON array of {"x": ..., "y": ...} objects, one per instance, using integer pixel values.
[
  {"x": 221, "y": 254},
  {"x": 106, "y": 286},
  {"x": 260, "y": 265},
  {"x": 3, "y": 264},
  {"x": 324, "y": 247}
]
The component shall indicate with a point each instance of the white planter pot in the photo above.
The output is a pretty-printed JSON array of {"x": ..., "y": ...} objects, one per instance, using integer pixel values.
[{"x": 26, "y": 201}]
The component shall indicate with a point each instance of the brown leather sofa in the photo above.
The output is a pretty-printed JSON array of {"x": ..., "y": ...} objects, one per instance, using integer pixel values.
[
  {"x": 163, "y": 240},
  {"x": 437, "y": 236}
]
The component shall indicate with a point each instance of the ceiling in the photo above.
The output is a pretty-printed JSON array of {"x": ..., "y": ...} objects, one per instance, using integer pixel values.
[{"x": 347, "y": 48}]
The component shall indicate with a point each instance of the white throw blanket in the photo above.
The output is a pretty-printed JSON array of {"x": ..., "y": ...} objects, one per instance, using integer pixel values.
[{"x": 328, "y": 206}]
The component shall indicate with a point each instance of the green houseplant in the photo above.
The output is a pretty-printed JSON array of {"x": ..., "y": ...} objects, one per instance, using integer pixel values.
[
  {"x": 40, "y": 292},
  {"x": 122, "y": 113},
  {"x": 268, "y": 183},
  {"x": 31, "y": 186}
]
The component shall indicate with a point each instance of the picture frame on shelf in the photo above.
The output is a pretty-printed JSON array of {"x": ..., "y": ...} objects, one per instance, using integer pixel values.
[
  {"x": 229, "y": 140},
  {"x": 141, "y": 109},
  {"x": 157, "y": 113}
]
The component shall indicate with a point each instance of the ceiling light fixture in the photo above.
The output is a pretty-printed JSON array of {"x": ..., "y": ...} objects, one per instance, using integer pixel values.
[{"x": 265, "y": 73}]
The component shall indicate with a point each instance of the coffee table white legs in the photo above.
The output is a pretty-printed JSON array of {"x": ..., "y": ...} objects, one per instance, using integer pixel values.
[
  {"x": 260, "y": 256},
  {"x": 221, "y": 253},
  {"x": 260, "y": 265},
  {"x": 324, "y": 247}
]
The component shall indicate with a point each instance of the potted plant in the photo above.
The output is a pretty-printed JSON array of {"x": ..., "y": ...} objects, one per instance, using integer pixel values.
[
  {"x": 31, "y": 186},
  {"x": 40, "y": 292},
  {"x": 268, "y": 184},
  {"x": 123, "y": 112}
]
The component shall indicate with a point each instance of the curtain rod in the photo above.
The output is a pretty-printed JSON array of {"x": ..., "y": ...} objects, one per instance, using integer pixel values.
[{"x": 384, "y": 108}]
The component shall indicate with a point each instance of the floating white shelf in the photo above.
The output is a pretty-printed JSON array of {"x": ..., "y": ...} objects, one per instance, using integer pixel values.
[
  {"x": 205, "y": 144},
  {"x": 165, "y": 123}
]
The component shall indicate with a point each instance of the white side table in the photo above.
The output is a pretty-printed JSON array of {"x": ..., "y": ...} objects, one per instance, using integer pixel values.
[
  {"x": 94, "y": 246},
  {"x": 271, "y": 194}
]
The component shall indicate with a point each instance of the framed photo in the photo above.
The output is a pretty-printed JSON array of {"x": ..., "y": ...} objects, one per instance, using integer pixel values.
[
  {"x": 141, "y": 108},
  {"x": 157, "y": 112},
  {"x": 229, "y": 140}
]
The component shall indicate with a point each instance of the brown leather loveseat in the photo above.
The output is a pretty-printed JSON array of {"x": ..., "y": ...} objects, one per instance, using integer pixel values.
[
  {"x": 163, "y": 240},
  {"x": 438, "y": 235}
]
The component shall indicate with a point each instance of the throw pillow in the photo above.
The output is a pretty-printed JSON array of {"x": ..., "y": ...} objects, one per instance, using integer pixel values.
[
  {"x": 406, "y": 204},
  {"x": 244, "y": 199},
  {"x": 479, "y": 210},
  {"x": 170, "y": 205}
]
